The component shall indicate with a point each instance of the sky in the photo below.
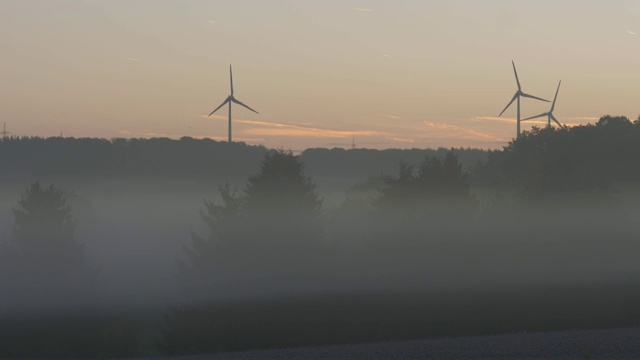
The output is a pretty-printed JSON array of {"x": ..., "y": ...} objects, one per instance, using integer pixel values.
[{"x": 382, "y": 73}]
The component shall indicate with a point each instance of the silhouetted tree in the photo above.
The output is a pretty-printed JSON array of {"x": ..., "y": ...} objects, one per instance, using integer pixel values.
[
  {"x": 50, "y": 295},
  {"x": 437, "y": 184},
  {"x": 364, "y": 163},
  {"x": 262, "y": 240},
  {"x": 275, "y": 222},
  {"x": 567, "y": 161},
  {"x": 44, "y": 256},
  {"x": 221, "y": 219},
  {"x": 423, "y": 205},
  {"x": 44, "y": 227}
]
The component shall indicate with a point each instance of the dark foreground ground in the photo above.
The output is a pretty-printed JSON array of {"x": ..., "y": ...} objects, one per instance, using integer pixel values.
[
  {"x": 540, "y": 322},
  {"x": 621, "y": 343}
]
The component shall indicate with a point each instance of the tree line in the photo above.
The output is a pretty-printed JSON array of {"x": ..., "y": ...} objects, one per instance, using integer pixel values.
[
  {"x": 95, "y": 157},
  {"x": 189, "y": 157}
]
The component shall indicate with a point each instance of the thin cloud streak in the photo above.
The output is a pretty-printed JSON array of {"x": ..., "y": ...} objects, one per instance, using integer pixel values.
[
  {"x": 402, "y": 140},
  {"x": 538, "y": 122},
  {"x": 583, "y": 118},
  {"x": 284, "y": 129},
  {"x": 456, "y": 128},
  {"x": 307, "y": 133},
  {"x": 271, "y": 130},
  {"x": 363, "y": 9},
  {"x": 394, "y": 117},
  {"x": 505, "y": 119}
]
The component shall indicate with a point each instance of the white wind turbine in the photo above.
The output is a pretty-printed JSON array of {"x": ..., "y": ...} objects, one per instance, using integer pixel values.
[
  {"x": 549, "y": 114},
  {"x": 229, "y": 100},
  {"x": 517, "y": 96}
]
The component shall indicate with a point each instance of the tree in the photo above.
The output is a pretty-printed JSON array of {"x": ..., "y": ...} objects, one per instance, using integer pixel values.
[
  {"x": 437, "y": 183},
  {"x": 44, "y": 228},
  {"x": 262, "y": 240},
  {"x": 51, "y": 297},
  {"x": 44, "y": 261},
  {"x": 429, "y": 204},
  {"x": 620, "y": 122},
  {"x": 274, "y": 222}
]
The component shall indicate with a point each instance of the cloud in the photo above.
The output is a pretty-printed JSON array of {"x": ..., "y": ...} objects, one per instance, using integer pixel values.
[
  {"x": 402, "y": 140},
  {"x": 508, "y": 120},
  {"x": 299, "y": 131},
  {"x": 572, "y": 120},
  {"x": 466, "y": 132},
  {"x": 394, "y": 117},
  {"x": 304, "y": 135},
  {"x": 283, "y": 129},
  {"x": 212, "y": 22},
  {"x": 133, "y": 59},
  {"x": 583, "y": 118},
  {"x": 363, "y": 9},
  {"x": 631, "y": 32}
]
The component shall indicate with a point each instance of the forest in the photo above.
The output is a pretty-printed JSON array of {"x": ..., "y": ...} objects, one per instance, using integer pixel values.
[{"x": 148, "y": 247}]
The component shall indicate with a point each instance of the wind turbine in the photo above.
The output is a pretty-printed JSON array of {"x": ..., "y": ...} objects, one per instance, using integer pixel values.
[
  {"x": 4, "y": 130},
  {"x": 549, "y": 114},
  {"x": 517, "y": 96},
  {"x": 229, "y": 100}
]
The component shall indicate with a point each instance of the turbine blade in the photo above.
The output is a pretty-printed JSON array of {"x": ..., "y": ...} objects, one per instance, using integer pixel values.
[
  {"x": 242, "y": 104},
  {"x": 556, "y": 120},
  {"x": 231, "y": 78},
  {"x": 553, "y": 104},
  {"x": 515, "y": 72},
  {"x": 535, "y": 117},
  {"x": 221, "y": 105},
  {"x": 533, "y": 97},
  {"x": 509, "y": 104}
]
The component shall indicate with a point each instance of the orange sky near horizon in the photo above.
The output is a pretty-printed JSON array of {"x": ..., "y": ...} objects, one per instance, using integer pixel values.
[{"x": 391, "y": 74}]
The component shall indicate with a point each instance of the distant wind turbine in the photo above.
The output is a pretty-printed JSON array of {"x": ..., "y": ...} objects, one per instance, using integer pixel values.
[
  {"x": 549, "y": 114},
  {"x": 229, "y": 100},
  {"x": 517, "y": 96},
  {"x": 4, "y": 130}
]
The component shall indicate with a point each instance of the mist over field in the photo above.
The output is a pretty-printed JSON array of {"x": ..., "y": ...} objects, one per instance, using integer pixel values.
[{"x": 267, "y": 252}]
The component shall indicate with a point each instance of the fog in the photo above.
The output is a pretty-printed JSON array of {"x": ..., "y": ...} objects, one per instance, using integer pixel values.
[
  {"x": 276, "y": 258},
  {"x": 134, "y": 232}
]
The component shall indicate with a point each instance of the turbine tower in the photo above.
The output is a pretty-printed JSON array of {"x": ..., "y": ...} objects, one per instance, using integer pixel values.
[
  {"x": 229, "y": 100},
  {"x": 549, "y": 114},
  {"x": 517, "y": 96},
  {"x": 4, "y": 130}
]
